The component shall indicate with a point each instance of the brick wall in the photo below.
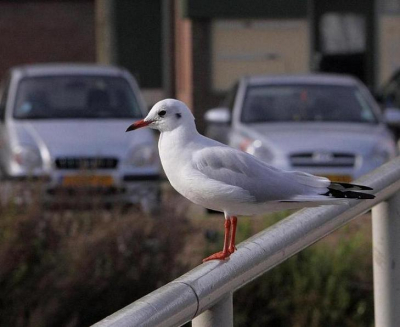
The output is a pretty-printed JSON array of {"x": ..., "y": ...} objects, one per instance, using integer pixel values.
[{"x": 33, "y": 31}]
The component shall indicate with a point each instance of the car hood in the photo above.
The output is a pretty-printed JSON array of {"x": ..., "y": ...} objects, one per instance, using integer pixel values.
[
  {"x": 81, "y": 138},
  {"x": 306, "y": 137}
]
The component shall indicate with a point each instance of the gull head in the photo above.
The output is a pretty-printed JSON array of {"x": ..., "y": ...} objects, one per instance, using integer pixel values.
[{"x": 166, "y": 115}]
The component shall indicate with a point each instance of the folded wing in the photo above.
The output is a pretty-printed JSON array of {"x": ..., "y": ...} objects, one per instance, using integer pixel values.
[{"x": 264, "y": 182}]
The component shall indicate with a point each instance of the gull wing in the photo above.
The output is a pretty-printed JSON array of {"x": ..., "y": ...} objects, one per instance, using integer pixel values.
[{"x": 263, "y": 182}]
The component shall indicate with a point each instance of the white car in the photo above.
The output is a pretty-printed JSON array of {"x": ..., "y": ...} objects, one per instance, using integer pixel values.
[
  {"x": 323, "y": 124},
  {"x": 66, "y": 123}
]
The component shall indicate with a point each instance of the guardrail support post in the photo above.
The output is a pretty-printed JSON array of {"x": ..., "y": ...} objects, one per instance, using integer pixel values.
[
  {"x": 220, "y": 315},
  {"x": 386, "y": 257}
]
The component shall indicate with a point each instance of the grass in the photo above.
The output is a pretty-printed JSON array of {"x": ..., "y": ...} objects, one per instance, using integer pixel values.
[{"x": 74, "y": 267}]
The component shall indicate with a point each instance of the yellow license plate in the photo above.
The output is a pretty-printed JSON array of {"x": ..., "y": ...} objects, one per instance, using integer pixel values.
[
  {"x": 87, "y": 181},
  {"x": 339, "y": 178}
]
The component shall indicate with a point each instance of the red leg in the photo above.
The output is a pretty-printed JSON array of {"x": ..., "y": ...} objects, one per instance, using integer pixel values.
[
  {"x": 222, "y": 255},
  {"x": 232, "y": 246}
]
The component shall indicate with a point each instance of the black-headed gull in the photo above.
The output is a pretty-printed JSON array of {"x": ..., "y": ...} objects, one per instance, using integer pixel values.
[{"x": 224, "y": 179}]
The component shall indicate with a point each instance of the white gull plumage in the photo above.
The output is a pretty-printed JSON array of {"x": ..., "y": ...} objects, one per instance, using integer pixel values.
[{"x": 221, "y": 178}]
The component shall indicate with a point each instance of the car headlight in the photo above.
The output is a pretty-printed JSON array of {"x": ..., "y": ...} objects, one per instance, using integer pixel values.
[
  {"x": 142, "y": 155},
  {"x": 257, "y": 149},
  {"x": 27, "y": 157}
]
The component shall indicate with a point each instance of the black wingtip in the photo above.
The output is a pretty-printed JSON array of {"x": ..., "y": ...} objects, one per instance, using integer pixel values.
[
  {"x": 340, "y": 194},
  {"x": 349, "y": 186}
]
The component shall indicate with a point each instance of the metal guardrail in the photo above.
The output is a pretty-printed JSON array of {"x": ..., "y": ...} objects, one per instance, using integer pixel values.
[{"x": 204, "y": 294}]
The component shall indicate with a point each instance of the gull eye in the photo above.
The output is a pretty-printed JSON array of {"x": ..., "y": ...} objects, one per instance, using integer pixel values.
[{"x": 162, "y": 113}]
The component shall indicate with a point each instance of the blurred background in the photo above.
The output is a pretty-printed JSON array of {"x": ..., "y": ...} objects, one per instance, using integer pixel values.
[
  {"x": 73, "y": 265},
  {"x": 196, "y": 50}
]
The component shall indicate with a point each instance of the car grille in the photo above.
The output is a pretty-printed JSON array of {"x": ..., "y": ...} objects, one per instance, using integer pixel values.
[
  {"x": 322, "y": 159},
  {"x": 86, "y": 163}
]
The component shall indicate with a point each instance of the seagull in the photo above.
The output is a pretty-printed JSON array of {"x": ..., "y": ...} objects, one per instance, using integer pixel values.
[{"x": 221, "y": 178}]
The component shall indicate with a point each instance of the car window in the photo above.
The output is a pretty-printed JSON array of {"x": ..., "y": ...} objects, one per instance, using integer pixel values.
[
  {"x": 59, "y": 97},
  {"x": 292, "y": 103}
]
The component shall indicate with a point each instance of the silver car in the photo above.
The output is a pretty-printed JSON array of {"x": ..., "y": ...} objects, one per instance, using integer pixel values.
[
  {"x": 327, "y": 125},
  {"x": 66, "y": 123}
]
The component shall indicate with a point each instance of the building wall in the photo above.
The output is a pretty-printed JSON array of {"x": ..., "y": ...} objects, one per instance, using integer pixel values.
[
  {"x": 246, "y": 47},
  {"x": 33, "y": 32},
  {"x": 211, "y": 54},
  {"x": 138, "y": 40},
  {"x": 388, "y": 36},
  {"x": 389, "y": 46},
  {"x": 389, "y": 40},
  {"x": 216, "y": 42}
]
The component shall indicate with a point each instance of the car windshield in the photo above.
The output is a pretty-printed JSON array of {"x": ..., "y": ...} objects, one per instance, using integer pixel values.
[
  {"x": 69, "y": 97},
  {"x": 295, "y": 103}
]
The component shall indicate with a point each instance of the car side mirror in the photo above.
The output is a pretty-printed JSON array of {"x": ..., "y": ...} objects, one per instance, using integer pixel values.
[
  {"x": 218, "y": 116},
  {"x": 392, "y": 117}
]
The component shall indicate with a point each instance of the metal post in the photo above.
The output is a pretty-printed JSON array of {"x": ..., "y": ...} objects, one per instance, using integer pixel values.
[
  {"x": 386, "y": 257},
  {"x": 219, "y": 315}
]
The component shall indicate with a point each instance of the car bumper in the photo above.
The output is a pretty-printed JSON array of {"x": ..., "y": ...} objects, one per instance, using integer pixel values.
[
  {"x": 339, "y": 174},
  {"x": 127, "y": 188}
]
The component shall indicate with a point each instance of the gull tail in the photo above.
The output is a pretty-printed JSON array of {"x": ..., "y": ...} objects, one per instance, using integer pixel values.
[{"x": 349, "y": 191}]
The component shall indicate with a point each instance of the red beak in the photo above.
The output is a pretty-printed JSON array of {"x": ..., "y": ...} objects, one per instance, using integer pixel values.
[{"x": 138, "y": 124}]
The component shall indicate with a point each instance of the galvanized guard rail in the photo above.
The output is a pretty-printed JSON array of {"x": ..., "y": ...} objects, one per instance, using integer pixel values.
[{"x": 204, "y": 294}]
